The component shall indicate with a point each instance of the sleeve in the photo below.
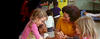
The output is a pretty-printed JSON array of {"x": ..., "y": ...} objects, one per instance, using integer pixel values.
[
  {"x": 52, "y": 22},
  {"x": 35, "y": 31},
  {"x": 58, "y": 24}
]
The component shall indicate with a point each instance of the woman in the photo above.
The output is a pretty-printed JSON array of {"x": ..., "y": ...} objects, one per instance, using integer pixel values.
[{"x": 66, "y": 22}]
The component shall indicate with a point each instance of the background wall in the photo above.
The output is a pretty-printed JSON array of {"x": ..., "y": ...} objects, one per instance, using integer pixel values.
[{"x": 86, "y": 4}]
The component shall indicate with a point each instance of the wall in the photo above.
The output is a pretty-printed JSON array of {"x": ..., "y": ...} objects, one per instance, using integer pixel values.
[
  {"x": 86, "y": 4},
  {"x": 61, "y": 4}
]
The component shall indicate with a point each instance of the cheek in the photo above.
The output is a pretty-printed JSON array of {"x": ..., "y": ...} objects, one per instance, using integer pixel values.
[
  {"x": 78, "y": 31},
  {"x": 68, "y": 18},
  {"x": 39, "y": 22}
]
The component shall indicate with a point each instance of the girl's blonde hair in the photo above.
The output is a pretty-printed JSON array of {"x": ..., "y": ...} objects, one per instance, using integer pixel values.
[
  {"x": 39, "y": 13},
  {"x": 86, "y": 26}
]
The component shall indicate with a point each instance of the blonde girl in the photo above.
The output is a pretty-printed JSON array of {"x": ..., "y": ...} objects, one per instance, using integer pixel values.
[
  {"x": 31, "y": 30},
  {"x": 86, "y": 27}
]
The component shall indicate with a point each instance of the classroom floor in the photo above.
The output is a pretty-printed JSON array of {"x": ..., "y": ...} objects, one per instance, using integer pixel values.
[{"x": 98, "y": 29}]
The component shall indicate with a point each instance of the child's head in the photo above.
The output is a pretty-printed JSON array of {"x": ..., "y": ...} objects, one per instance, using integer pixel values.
[
  {"x": 72, "y": 11},
  {"x": 42, "y": 28},
  {"x": 38, "y": 16},
  {"x": 86, "y": 26},
  {"x": 55, "y": 4},
  {"x": 49, "y": 12}
]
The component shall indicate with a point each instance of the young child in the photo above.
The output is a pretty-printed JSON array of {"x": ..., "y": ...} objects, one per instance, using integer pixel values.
[
  {"x": 83, "y": 13},
  {"x": 31, "y": 30},
  {"x": 86, "y": 27},
  {"x": 56, "y": 11},
  {"x": 43, "y": 30},
  {"x": 50, "y": 23},
  {"x": 95, "y": 16}
]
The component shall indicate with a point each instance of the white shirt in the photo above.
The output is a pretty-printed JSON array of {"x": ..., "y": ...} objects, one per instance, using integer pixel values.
[
  {"x": 50, "y": 22},
  {"x": 57, "y": 16},
  {"x": 94, "y": 15},
  {"x": 46, "y": 35}
]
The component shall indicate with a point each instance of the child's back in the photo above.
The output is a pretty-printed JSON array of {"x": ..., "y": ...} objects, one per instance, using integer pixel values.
[{"x": 56, "y": 10}]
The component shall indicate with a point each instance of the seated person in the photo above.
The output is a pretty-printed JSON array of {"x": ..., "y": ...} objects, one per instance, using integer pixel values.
[
  {"x": 95, "y": 16},
  {"x": 83, "y": 12},
  {"x": 66, "y": 22}
]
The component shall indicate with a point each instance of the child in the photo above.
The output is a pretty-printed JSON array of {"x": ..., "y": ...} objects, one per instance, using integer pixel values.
[
  {"x": 31, "y": 31},
  {"x": 86, "y": 27},
  {"x": 83, "y": 12},
  {"x": 95, "y": 16},
  {"x": 50, "y": 23},
  {"x": 42, "y": 30},
  {"x": 56, "y": 11}
]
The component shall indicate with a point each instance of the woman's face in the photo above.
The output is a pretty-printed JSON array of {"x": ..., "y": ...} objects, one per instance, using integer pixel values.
[{"x": 66, "y": 17}]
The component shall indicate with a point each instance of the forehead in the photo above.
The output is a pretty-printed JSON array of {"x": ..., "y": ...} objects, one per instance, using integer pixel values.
[
  {"x": 44, "y": 18},
  {"x": 65, "y": 14}
]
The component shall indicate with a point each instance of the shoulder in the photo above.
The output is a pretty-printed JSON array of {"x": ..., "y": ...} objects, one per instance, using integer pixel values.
[
  {"x": 50, "y": 16},
  {"x": 60, "y": 19},
  {"x": 32, "y": 24}
]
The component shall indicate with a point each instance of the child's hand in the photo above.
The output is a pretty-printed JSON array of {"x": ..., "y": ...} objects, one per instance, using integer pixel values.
[{"x": 60, "y": 34}]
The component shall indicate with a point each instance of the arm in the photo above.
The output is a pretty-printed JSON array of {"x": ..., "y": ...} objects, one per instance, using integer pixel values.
[
  {"x": 36, "y": 32},
  {"x": 58, "y": 24},
  {"x": 52, "y": 22}
]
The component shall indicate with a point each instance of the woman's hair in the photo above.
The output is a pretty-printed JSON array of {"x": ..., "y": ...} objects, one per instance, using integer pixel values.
[
  {"x": 39, "y": 13},
  {"x": 72, "y": 11},
  {"x": 86, "y": 25}
]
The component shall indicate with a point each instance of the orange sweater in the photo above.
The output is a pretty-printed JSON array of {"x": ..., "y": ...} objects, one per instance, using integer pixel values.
[{"x": 65, "y": 27}]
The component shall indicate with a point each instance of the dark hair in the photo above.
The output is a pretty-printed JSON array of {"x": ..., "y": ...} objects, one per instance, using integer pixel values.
[
  {"x": 55, "y": 4},
  {"x": 54, "y": 1},
  {"x": 49, "y": 12},
  {"x": 40, "y": 26},
  {"x": 49, "y": 1},
  {"x": 73, "y": 11}
]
